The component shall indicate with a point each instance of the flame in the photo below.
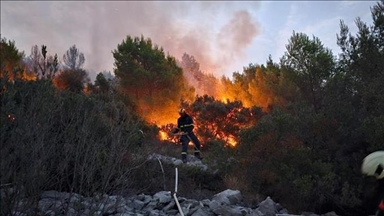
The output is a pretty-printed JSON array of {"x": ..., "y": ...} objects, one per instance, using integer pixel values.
[
  {"x": 163, "y": 135},
  {"x": 231, "y": 141}
]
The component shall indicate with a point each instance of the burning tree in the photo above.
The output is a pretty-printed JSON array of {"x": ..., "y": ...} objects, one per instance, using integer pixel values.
[
  {"x": 216, "y": 120},
  {"x": 151, "y": 78}
]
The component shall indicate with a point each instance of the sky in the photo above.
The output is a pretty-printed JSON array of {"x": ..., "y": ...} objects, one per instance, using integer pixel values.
[{"x": 223, "y": 36}]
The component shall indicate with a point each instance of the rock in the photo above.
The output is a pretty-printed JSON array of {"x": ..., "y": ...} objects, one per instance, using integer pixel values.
[
  {"x": 257, "y": 212},
  {"x": 151, "y": 206},
  {"x": 214, "y": 204},
  {"x": 138, "y": 204},
  {"x": 330, "y": 214},
  {"x": 227, "y": 210},
  {"x": 172, "y": 212},
  {"x": 163, "y": 196},
  {"x": 202, "y": 212},
  {"x": 267, "y": 207},
  {"x": 229, "y": 197},
  {"x": 124, "y": 214},
  {"x": 308, "y": 214},
  {"x": 54, "y": 195},
  {"x": 50, "y": 213},
  {"x": 169, "y": 206},
  {"x": 205, "y": 202},
  {"x": 86, "y": 212},
  {"x": 192, "y": 161},
  {"x": 46, "y": 204},
  {"x": 283, "y": 211},
  {"x": 71, "y": 212},
  {"x": 162, "y": 203}
]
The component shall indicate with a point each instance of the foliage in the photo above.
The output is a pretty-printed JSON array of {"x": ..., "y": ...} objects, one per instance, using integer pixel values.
[
  {"x": 10, "y": 60},
  {"x": 150, "y": 77},
  {"x": 73, "y": 58},
  {"x": 310, "y": 65},
  {"x": 43, "y": 65},
  {"x": 60, "y": 140},
  {"x": 72, "y": 80},
  {"x": 218, "y": 120}
]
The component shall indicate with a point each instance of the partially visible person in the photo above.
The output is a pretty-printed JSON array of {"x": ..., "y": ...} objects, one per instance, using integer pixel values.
[
  {"x": 373, "y": 165},
  {"x": 185, "y": 128}
]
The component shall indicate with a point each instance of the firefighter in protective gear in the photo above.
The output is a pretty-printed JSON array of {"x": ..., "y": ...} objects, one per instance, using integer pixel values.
[
  {"x": 185, "y": 125},
  {"x": 373, "y": 165}
]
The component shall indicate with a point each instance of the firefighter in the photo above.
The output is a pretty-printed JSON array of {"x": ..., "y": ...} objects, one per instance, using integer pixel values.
[
  {"x": 373, "y": 165},
  {"x": 185, "y": 128}
]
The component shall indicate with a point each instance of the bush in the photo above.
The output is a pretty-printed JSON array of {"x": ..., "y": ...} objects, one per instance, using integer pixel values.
[{"x": 60, "y": 140}]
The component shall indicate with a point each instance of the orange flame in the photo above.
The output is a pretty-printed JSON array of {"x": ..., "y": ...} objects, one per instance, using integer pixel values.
[
  {"x": 231, "y": 141},
  {"x": 163, "y": 135}
]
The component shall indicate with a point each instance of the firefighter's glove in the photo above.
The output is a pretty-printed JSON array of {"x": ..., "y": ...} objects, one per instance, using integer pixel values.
[{"x": 175, "y": 130}]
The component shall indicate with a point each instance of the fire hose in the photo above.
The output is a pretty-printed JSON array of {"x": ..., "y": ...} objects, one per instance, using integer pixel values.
[{"x": 174, "y": 194}]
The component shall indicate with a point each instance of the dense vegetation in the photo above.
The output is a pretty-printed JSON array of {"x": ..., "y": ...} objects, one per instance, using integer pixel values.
[{"x": 301, "y": 126}]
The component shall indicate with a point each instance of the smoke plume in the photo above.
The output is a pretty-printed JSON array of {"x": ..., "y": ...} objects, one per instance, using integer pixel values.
[{"x": 215, "y": 33}]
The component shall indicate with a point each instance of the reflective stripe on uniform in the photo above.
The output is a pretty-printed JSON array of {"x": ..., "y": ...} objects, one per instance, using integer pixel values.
[
  {"x": 183, "y": 153},
  {"x": 381, "y": 206},
  {"x": 187, "y": 125}
]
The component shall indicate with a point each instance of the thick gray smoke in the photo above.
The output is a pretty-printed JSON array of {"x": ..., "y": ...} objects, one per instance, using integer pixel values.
[{"x": 215, "y": 33}]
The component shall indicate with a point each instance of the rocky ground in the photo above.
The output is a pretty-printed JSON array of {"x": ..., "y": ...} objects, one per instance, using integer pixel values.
[{"x": 227, "y": 203}]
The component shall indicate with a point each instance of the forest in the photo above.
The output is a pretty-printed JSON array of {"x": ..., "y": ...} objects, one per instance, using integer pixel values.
[{"x": 295, "y": 130}]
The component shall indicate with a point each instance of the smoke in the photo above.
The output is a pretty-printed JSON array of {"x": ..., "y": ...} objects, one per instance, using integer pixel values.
[
  {"x": 236, "y": 35},
  {"x": 215, "y": 33}
]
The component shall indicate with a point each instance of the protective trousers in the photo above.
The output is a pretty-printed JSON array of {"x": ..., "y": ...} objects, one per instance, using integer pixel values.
[{"x": 184, "y": 145}]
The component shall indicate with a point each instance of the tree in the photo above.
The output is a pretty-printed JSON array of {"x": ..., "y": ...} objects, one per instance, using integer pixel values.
[
  {"x": 73, "y": 58},
  {"x": 102, "y": 83},
  {"x": 310, "y": 65},
  {"x": 203, "y": 83},
  {"x": 72, "y": 80},
  {"x": 217, "y": 120},
  {"x": 10, "y": 58},
  {"x": 43, "y": 65},
  {"x": 150, "y": 77}
]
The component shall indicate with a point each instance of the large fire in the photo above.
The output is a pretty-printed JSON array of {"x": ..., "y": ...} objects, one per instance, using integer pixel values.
[
  {"x": 250, "y": 93},
  {"x": 164, "y": 134}
]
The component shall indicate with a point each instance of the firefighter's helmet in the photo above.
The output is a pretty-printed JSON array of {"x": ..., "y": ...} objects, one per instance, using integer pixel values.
[
  {"x": 373, "y": 165},
  {"x": 181, "y": 110}
]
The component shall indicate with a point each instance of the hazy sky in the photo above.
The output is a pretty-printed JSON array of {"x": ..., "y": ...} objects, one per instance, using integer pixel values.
[{"x": 224, "y": 36}]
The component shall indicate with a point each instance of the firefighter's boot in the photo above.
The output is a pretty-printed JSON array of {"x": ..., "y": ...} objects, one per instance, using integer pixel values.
[
  {"x": 184, "y": 157},
  {"x": 197, "y": 155}
]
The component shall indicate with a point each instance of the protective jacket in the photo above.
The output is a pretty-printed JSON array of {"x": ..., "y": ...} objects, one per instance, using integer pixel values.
[{"x": 185, "y": 123}]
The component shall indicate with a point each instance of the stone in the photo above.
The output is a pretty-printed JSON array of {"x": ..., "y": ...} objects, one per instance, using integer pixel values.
[
  {"x": 54, "y": 195},
  {"x": 163, "y": 196},
  {"x": 71, "y": 212},
  {"x": 138, "y": 204},
  {"x": 151, "y": 206},
  {"x": 229, "y": 197},
  {"x": 331, "y": 214},
  {"x": 205, "y": 202},
  {"x": 202, "y": 212},
  {"x": 256, "y": 212},
  {"x": 267, "y": 207},
  {"x": 169, "y": 206},
  {"x": 308, "y": 214},
  {"x": 227, "y": 210},
  {"x": 214, "y": 204}
]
